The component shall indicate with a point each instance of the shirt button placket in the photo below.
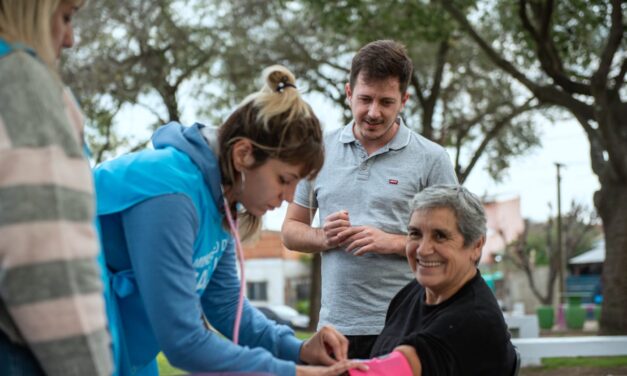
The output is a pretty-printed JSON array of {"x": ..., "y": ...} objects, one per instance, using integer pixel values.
[{"x": 363, "y": 166}]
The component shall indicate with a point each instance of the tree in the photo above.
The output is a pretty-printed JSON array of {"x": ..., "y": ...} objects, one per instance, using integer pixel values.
[
  {"x": 155, "y": 53},
  {"x": 459, "y": 101},
  {"x": 132, "y": 52},
  {"x": 577, "y": 54},
  {"x": 537, "y": 245}
]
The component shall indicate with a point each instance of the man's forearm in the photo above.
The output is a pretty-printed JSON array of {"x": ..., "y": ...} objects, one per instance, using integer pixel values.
[
  {"x": 398, "y": 244},
  {"x": 298, "y": 236}
]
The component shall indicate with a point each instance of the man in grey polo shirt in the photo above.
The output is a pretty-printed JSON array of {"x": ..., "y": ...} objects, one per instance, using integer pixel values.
[{"x": 373, "y": 167}]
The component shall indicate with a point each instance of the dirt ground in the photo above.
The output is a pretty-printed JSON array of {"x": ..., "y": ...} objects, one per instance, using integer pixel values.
[{"x": 576, "y": 371}]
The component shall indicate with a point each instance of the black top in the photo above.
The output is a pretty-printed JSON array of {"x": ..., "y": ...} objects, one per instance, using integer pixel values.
[{"x": 465, "y": 335}]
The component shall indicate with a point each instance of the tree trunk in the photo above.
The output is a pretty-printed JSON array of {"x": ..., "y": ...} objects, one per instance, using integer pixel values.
[
  {"x": 611, "y": 203},
  {"x": 314, "y": 292}
]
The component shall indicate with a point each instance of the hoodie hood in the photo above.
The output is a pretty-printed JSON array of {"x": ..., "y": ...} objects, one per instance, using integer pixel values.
[{"x": 190, "y": 141}]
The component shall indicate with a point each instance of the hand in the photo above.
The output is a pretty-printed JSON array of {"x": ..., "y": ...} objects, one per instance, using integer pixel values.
[
  {"x": 336, "y": 369},
  {"x": 333, "y": 225},
  {"x": 327, "y": 346},
  {"x": 368, "y": 239}
]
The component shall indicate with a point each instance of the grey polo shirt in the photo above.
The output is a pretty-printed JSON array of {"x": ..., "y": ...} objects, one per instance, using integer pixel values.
[{"x": 376, "y": 191}]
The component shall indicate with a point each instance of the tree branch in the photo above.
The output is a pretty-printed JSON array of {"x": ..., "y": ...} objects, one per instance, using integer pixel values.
[
  {"x": 302, "y": 49},
  {"x": 546, "y": 51},
  {"x": 466, "y": 124},
  {"x": 620, "y": 78},
  {"x": 436, "y": 86},
  {"x": 492, "y": 133},
  {"x": 613, "y": 43},
  {"x": 597, "y": 161},
  {"x": 105, "y": 147},
  {"x": 139, "y": 146},
  {"x": 546, "y": 94},
  {"x": 609, "y": 120},
  {"x": 152, "y": 111},
  {"x": 545, "y": 23},
  {"x": 415, "y": 82},
  {"x": 492, "y": 54}
]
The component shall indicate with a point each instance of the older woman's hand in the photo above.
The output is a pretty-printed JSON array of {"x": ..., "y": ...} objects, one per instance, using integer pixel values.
[{"x": 326, "y": 347}]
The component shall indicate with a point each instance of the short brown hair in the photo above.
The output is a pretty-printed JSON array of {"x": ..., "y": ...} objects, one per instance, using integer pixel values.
[{"x": 380, "y": 60}]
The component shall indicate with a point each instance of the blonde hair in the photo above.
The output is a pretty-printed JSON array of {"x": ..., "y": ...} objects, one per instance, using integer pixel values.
[
  {"x": 29, "y": 22},
  {"x": 279, "y": 124}
]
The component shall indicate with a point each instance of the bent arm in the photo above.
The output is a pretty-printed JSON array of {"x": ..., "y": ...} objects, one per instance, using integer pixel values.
[
  {"x": 412, "y": 358},
  {"x": 51, "y": 285},
  {"x": 160, "y": 236},
  {"x": 297, "y": 233},
  {"x": 219, "y": 303}
]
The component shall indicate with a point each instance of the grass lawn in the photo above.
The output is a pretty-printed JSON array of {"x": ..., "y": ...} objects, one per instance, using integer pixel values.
[
  {"x": 588, "y": 366},
  {"x": 166, "y": 369},
  {"x": 604, "y": 362}
]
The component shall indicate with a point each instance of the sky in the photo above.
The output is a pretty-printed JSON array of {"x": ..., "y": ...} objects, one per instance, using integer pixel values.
[{"x": 531, "y": 177}]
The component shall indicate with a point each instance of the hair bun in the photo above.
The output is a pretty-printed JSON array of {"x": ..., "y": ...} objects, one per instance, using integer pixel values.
[{"x": 277, "y": 78}]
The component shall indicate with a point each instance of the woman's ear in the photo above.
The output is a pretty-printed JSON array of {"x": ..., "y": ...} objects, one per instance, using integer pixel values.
[
  {"x": 476, "y": 249},
  {"x": 243, "y": 154}
]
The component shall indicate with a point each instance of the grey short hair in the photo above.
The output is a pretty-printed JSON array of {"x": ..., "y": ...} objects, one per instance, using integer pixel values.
[{"x": 469, "y": 213}]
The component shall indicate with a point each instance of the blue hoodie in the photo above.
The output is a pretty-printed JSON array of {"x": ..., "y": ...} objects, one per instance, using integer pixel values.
[{"x": 171, "y": 261}]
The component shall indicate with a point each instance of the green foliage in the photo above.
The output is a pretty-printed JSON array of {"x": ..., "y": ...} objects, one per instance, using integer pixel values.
[
  {"x": 367, "y": 20},
  {"x": 578, "y": 28},
  {"x": 174, "y": 54},
  {"x": 467, "y": 106},
  {"x": 138, "y": 53},
  {"x": 580, "y": 232},
  {"x": 302, "y": 306},
  {"x": 536, "y": 246},
  {"x": 303, "y": 335}
]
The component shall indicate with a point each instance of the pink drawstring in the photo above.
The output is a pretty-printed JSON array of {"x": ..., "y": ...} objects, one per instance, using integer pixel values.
[{"x": 240, "y": 258}]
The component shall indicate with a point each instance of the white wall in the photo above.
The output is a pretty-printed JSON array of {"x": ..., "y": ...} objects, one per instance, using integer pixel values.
[
  {"x": 519, "y": 290},
  {"x": 274, "y": 271}
]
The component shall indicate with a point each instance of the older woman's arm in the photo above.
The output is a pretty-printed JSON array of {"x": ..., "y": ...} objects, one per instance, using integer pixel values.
[{"x": 412, "y": 358}]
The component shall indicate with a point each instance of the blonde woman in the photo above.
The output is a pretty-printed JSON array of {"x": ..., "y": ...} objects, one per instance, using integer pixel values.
[
  {"x": 171, "y": 256},
  {"x": 52, "y": 315}
]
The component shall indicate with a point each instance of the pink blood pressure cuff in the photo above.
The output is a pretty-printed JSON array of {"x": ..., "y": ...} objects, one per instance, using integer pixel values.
[{"x": 393, "y": 364}]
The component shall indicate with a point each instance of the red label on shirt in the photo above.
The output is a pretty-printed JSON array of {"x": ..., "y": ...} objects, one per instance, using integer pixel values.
[{"x": 393, "y": 181}]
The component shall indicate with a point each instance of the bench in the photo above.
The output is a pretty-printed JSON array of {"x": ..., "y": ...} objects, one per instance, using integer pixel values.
[{"x": 533, "y": 349}]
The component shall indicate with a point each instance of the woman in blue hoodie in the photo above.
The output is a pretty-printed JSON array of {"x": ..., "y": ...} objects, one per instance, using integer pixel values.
[{"x": 171, "y": 257}]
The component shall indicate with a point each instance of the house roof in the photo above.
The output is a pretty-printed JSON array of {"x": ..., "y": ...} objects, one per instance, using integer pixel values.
[
  {"x": 593, "y": 256},
  {"x": 269, "y": 245}
]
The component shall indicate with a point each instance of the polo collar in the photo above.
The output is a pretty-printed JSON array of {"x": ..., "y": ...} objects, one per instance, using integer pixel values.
[{"x": 399, "y": 141}]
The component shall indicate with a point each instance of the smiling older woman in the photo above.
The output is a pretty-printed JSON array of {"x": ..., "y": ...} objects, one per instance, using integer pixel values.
[{"x": 447, "y": 321}]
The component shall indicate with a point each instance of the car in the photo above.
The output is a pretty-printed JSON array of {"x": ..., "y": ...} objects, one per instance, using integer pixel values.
[{"x": 284, "y": 315}]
